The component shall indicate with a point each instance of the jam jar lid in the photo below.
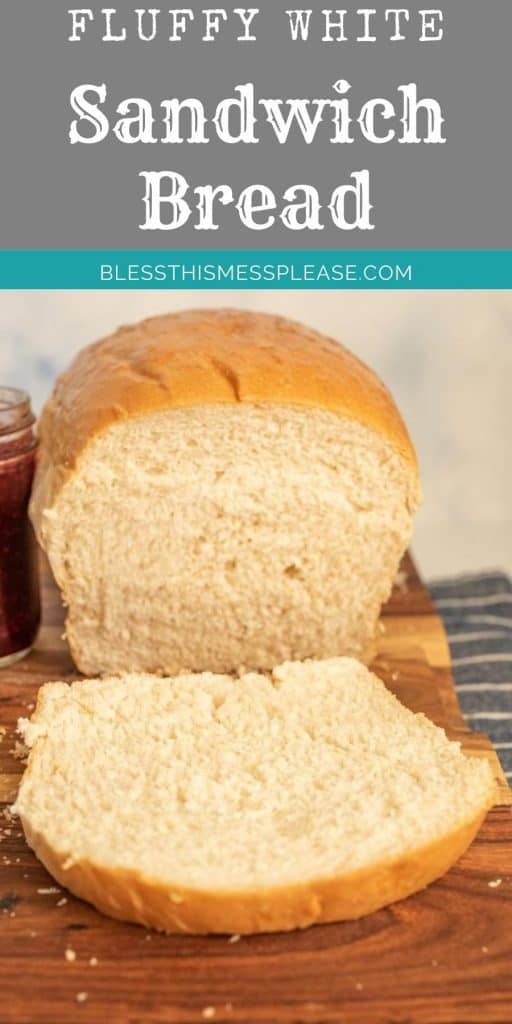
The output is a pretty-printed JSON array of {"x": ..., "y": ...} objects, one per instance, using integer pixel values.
[{"x": 16, "y": 421}]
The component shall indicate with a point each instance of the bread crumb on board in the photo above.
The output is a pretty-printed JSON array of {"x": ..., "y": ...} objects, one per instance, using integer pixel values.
[
  {"x": 52, "y": 890},
  {"x": 93, "y": 962},
  {"x": 70, "y": 955},
  {"x": 81, "y": 997},
  {"x": 495, "y": 883},
  {"x": 20, "y": 752},
  {"x": 234, "y": 938},
  {"x": 401, "y": 580},
  {"x": 208, "y": 1013},
  {"x": 62, "y": 902}
]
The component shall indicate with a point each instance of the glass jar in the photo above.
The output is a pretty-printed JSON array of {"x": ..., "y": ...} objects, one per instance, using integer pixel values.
[{"x": 19, "y": 581}]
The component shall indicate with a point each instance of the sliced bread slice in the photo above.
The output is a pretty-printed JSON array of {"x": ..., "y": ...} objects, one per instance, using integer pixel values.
[{"x": 205, "y": 803}]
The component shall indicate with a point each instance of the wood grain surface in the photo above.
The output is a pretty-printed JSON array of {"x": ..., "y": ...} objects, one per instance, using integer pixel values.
[{"x": 443, "y": 956}]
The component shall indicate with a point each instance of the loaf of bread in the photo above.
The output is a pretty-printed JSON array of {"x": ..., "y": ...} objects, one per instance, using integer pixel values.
[
  {"x": 221, "y": 489},
  {"x": 212, "y": 804}
]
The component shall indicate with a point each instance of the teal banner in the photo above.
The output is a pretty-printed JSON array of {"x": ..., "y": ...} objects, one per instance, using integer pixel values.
[{"x": 255, "y": 269}]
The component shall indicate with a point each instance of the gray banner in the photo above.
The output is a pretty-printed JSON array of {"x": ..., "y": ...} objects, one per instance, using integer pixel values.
[{"x": 57, "y": 195}]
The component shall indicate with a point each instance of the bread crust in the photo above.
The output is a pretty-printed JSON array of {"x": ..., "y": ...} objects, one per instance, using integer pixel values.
[
  {"x": 202, "y": 357},
  {"x": 129, "y": 896}
]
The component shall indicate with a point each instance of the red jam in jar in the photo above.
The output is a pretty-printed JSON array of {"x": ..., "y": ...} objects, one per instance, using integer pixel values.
[{"x": 19, "y": 582}]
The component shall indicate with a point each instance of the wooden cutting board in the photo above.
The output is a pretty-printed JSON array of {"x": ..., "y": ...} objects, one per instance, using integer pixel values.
[{"x": 440, "y": 957}]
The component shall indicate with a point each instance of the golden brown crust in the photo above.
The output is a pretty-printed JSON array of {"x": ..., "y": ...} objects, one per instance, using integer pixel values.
[
  {"x": 203, "y": 357},
  {"x": 130, "y": 897}
]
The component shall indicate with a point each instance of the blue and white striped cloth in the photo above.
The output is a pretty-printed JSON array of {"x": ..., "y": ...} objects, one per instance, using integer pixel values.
[{"x": 477, "y": 614}]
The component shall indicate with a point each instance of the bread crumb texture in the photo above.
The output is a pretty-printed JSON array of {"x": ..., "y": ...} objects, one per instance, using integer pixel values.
[
  {"x": 218, "y": 794},
  {"x": 216, "y": 537}
]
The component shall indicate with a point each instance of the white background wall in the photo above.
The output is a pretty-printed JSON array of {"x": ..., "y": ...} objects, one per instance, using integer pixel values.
[{"x": 446, "y": 356}]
